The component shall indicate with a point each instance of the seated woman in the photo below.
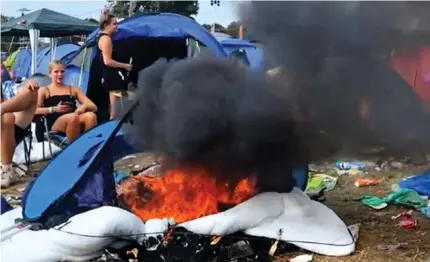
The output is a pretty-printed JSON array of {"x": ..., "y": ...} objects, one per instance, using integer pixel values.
[{"x": 58, "y": 102}]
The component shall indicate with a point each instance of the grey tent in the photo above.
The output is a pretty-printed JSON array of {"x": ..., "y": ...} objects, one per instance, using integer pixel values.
[{"x": 49, "y": 23}]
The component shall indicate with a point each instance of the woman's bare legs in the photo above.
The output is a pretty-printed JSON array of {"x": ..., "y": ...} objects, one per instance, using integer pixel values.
[
  {"x": 19, "y": 111},
  {"x": 87, "y": 120},
  {"x": 69, "y": 124},
  {"x": 112, "y": 100}
]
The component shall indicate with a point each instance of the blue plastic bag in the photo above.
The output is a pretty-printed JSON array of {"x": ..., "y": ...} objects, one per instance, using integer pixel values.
[{"x": 419, "y": 183}]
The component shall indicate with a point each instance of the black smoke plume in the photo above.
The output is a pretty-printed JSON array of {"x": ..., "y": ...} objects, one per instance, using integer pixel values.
[
  {"x": 335, "y": 53},
  {"x": 211, "y": 112}
]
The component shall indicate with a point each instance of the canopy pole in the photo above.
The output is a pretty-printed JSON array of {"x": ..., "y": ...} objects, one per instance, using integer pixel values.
[
  {"x": 82, "y": 67},
  {"x": 34, "y": 43},
  {"x": 53, "y": 43}
]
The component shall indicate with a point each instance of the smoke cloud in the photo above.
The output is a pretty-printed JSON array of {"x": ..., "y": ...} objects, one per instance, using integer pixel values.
[
  {"x": 211, "y": 112},
  {"x": 332, "y": 66},
  {"x": 335, "y": 53}
]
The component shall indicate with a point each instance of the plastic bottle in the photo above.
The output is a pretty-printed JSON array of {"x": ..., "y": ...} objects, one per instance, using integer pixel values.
[{"x": 350, "y": 165}]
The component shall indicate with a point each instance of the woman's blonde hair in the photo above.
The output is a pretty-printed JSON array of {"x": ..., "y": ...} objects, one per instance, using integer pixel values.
[
  {"x": 105, "y": 18},
  {"x": 53, "y": 64}
]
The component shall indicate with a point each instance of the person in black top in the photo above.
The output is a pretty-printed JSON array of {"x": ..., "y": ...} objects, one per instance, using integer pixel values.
[
  {"x": 58, "y": 102},
  {"x": 114, "y": 72}
]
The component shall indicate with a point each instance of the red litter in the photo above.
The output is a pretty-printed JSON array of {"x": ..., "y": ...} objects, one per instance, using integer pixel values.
[{"x": 405, "y": 220}]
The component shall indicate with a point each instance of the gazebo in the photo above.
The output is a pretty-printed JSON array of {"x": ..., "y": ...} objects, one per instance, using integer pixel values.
[{"x": 45, "y": 23}]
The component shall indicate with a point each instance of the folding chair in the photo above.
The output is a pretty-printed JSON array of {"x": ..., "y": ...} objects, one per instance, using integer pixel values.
[
  {"x": 52, "y": 137},
  {"x": 27, "y": 152}
]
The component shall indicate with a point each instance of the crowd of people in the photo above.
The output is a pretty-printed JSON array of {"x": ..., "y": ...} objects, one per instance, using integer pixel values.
[{"x": 64, "y": 108}]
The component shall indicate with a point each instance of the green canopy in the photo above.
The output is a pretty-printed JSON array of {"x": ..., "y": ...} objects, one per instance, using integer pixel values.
[{"x": 49, "y": 23}]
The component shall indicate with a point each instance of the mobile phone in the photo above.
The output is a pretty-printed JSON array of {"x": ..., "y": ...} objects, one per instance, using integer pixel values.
[{"x": 67, "y": 104}]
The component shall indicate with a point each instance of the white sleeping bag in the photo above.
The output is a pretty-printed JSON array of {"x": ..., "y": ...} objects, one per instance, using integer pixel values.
[
  {"x": 62, "y": 245},
  {"x": 301, "y": 220}
]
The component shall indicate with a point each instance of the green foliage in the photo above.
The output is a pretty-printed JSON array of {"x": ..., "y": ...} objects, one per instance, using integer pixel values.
[{"x": 128, "y": 8}]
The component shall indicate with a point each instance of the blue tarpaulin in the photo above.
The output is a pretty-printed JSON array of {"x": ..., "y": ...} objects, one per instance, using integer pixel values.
[{"x": 419, "y": 183}]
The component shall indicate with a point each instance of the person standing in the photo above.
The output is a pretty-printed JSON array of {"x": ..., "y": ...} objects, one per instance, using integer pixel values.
[{"x": 113, "y": 72}]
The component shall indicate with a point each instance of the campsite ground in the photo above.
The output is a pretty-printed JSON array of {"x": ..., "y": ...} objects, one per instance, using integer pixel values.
[{"x": 376, "y": 227}]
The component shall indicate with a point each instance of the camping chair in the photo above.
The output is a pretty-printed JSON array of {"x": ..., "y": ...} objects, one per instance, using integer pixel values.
[
  {"x": 27, "y": 152},
  {"x": 52, "y": 137}
]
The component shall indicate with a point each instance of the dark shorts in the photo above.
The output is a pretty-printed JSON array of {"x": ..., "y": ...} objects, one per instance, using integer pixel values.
[
  {"x": 19, "y": 134},
  {"x": 112, "y": 81}
]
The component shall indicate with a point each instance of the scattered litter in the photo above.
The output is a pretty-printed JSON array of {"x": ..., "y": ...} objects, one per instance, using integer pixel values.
[
  {"x": 355, "y": 230},
  {"x": 329, "y": 181},
  {"x": 405, "y": 197},
  {"x": 215, "y": 240},
  {"x": 128, "y": 157},
  {"x": 14, "y": 200},
  {"x": 391, "y": 248},
  {"x": 408, "y": 223},
  {"x": 108, "y": 257},
  {"x": 315, "y": 185},
  {"x": 425, "y": 211},
  {"x": 404, "y": 213},
  {"x": 350, "y": 165},
  {"x": 240, "y": 249},
  {"x": 134, "y": 252},
  {"x": 119, "y": 176},
  {"x": 302, "y": 258},
  {"x": 136, "y": 167},
  {"x": 152, "y": 171},
  {"x": 373, "y": 202},
  {"x": 364, "y": 182},
  {"x": 350, "y": 168},
  {"x": 419, "y": 183},
  {"x": 405, "y": 219},
  {"x": 396, "y": 164}
]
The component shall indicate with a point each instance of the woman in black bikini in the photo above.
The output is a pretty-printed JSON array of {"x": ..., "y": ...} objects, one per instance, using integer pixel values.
[
  {"x": 112, "y": 70},
  {"x": 58, "y": 102}
]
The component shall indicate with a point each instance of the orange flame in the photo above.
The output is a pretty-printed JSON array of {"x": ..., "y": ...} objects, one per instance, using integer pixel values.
[{"x": 183, "y": 194}]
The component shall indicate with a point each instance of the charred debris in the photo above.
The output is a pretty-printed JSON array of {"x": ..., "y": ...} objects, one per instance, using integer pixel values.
[{"x": 184, "y": 246}]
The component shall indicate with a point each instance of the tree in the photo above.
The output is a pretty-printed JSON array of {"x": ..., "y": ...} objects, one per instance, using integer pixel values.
[
  {"x": 92, "y": 20},
  {"x": 128, "y": 8},
  {"x": 233, "y": 29}
]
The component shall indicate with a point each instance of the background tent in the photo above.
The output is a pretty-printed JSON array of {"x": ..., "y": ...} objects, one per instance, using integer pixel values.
[
  {"x": 414, "y": 67},
  {"x": 45, "y": 23},
  {"x": 10, "y": 60},
  {"x": 254, "y": 55},
  {"x": 22, "y": 65},
  {"x": 146, "y": 38}
]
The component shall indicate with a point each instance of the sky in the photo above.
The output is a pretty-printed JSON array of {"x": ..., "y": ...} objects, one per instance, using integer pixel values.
[{"x": 223, "y": 14}]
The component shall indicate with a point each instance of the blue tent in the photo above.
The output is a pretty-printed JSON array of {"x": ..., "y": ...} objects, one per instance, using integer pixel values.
[
  {"x": 22, "y": 66},
  {"x": 153, "y": 25},
  {"x": 22, "y": 63},
  {"x": 164, "y": 25},
  {"x": 254, "y": 55},
  {"x": 62, "y": 51}
]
